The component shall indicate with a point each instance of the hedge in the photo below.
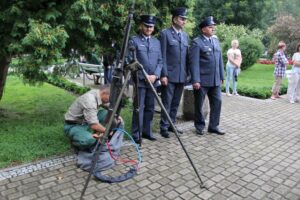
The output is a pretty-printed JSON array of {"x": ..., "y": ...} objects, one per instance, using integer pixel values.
[{"x": 67, "y": 85}]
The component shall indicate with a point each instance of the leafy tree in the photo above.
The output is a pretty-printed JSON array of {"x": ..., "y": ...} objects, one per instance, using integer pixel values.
[
  {"x": 250, "y": 13},
  {"x": 231, "y": 32},
  {"x": 287, "y": 29},
  {"x": 288, "y": 7},
  {"x": 249, "y": 42},
  {"x": 41, "y": 32}
]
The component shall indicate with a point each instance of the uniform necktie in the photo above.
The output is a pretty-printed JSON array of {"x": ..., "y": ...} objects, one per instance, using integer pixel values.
[
  {"x": 211, "y": 42},
  {"x": 179, "y": 36}
]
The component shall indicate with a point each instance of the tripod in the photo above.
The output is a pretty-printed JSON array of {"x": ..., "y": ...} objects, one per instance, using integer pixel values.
[
  {"x": 137, "y": 66},
  {"x": 133, "y": 68}
]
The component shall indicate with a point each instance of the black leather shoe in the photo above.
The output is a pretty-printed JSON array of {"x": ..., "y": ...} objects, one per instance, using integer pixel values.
[
  {"x": 200, "y": 132},
  {"x": 164, "y": 133},
  {"x": 151, "y": 138},
  {"x": 217, "y": 131},
  {"x": 178, "y": 130}
]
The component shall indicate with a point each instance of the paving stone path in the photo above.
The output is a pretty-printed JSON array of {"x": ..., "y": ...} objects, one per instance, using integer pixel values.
[{"x": 258, "y": 158}]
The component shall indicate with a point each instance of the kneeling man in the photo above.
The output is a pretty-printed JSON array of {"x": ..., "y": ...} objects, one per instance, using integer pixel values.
[{"x": 84, "y": 118}]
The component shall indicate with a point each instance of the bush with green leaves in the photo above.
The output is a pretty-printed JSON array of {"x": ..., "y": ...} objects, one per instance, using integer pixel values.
[
  {"x": 67, "y": 85},
  {"x": 258, "y": 93},
  {"x": 287, "y": 29},
  {"x": 250, "y": 42},
  {"x": 250, "y": 47}
]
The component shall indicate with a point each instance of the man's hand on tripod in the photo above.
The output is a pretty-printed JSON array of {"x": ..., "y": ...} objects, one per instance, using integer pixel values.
[
  {"x": 152, "y": 78},
  {"x": 97, "y": 135}
]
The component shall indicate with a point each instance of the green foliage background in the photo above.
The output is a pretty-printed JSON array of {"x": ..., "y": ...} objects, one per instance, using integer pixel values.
[{"x": 249, "y": 42}]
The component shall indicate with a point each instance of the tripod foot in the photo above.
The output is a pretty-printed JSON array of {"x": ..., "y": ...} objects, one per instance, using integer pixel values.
[{"x": 202, "y": 186}]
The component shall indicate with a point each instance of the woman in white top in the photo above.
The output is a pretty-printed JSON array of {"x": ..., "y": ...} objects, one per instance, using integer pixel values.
[
  {"x": 294, "y": 86},
  {"x": 233, "y": 66}
]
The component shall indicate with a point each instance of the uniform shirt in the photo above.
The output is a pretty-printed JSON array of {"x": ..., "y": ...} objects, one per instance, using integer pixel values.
[
  {"x": 206, "y": 63},
  {"x": 174, "y": 50},
  {"x": 280, "y": 63},
  {"x": 85, "y": 108},
  {"x": 149, "y": 55}
]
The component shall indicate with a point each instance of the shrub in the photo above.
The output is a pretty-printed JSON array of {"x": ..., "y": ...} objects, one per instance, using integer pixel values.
[
  {"x": 251, "y": 49},
  {"x": 230, "y": 32},
  {"x": 285, "y": 28},
  {"x": 65, "y": 84},
  {"x": 259, "y": 93},
  {"x": 250, "y": 42}
]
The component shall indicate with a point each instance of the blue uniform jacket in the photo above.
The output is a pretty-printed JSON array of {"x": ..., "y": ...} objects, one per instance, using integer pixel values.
[
  {"x": 206, "y": 63},
  {"x": 149, "y": 55},
  {"x": 175, "y": 55}
]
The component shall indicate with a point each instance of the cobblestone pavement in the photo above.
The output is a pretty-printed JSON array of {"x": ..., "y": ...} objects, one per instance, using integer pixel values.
[{"x": 258, "y": 158}]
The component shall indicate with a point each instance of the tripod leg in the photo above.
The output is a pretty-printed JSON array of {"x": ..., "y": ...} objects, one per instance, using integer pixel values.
[
  {"x": 136, "y": 104},
  {"x": 172, "y": 124},
  {"x": 105, "y": 136}
]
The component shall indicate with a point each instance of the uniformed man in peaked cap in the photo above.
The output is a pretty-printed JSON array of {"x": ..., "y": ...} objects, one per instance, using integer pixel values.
[
  {"x": 174, "y": 46},
  {"x": 207, "y": 74},
  {"x": 148, "y": 53}
]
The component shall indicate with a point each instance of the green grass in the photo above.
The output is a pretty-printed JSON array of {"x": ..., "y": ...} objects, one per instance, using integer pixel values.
[
  {"x": 257, "y": 81},
  {"x": 32, "y": 122},
  {"x": 259, "y": 75},
  {"x": 31, "y": 125},
  {"x": 32, "y": 119}
]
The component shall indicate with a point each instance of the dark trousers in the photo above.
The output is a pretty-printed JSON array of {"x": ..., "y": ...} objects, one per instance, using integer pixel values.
[
  {"x": 146, "y": 113},
  {"x": 107, "y": 75},
  {"x": 170, "y": 95},
  {"x": 81, "y": 134},
  {"x": 215, "y": 102}
]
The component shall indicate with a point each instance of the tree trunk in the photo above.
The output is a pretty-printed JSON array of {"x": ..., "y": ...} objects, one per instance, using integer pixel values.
[{"x": 4, "y": 63}]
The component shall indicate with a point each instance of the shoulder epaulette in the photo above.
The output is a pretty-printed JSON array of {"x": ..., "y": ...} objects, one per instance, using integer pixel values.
[{"x": 195, "y": 38}]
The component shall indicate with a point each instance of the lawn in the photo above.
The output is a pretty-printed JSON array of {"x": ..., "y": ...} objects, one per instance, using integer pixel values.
[
  {"x": 32, "y": 117},
  {"x": 257, "y": 81},
  {"x": 32, "y": 122},
  {"x": 259, "y": 75}
]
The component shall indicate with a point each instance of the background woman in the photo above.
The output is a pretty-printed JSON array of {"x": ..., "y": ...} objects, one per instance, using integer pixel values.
[
  {"x": 233, "y": 66},
  {"x": 294, "y": 86},
  {"x": 280, "y": 61}
]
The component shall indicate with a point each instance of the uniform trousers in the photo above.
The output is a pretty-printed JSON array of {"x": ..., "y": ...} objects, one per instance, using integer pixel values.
[
  {"x": 215, "y": 101},
  {"x": 145, "y": 115},
  {"x": 171, "y": 96}
]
